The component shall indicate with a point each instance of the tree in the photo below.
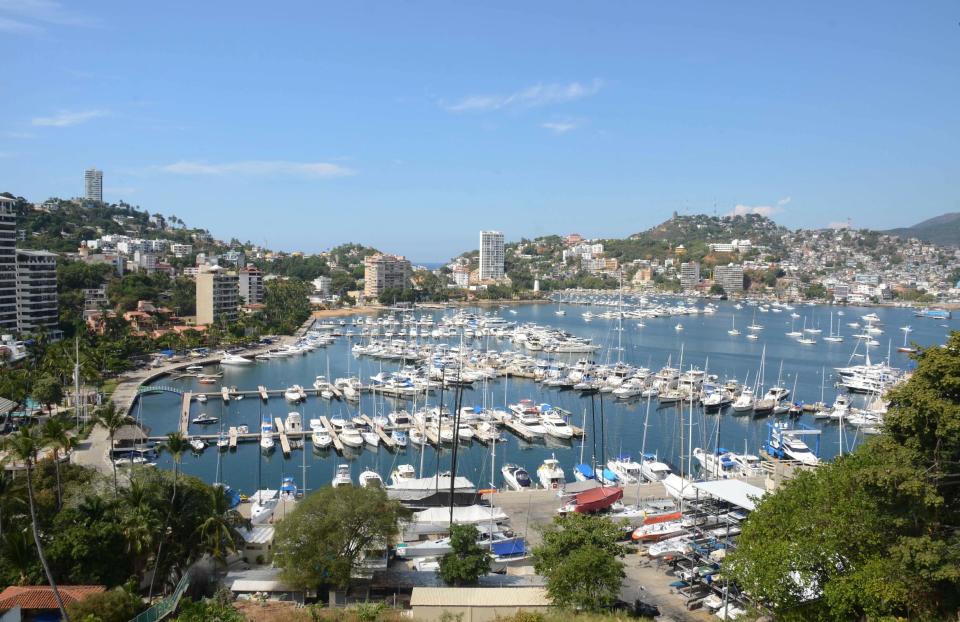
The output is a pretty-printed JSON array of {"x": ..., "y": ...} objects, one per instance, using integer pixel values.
[
  {"x": 177, "y": 444},
  {"x": 219, "y": 530},
  {"x": 112, "y": 420},
  {"x": 320, "y": 543},
  {"x": 23, "y": 446},
  {"x": 55, "y": 436},
  {"x": 717, "y": 290},
  {"x": 116, "y": 605},
  {"x": 580, "y": 558},
  {"x": 48, "y": 391},
  {"x": 872, "y": 535},
  {"x": 467, "y": 561}
]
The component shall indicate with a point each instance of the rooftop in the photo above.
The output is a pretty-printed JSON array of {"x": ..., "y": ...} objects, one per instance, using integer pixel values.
[
  {"x": 479, "y": 597},
  {"x": 41, "y": 596}
]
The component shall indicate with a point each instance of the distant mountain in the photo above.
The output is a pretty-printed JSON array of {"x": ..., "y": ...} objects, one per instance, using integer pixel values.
[{"x": 943, "y": 230}]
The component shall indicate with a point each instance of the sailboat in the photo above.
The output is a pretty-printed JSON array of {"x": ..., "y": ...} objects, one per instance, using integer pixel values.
[
  {"x": 833, "y": 338},
  {"x": 793, "y": 331},
  {"x": 754, "y": 325},
  {"x": 560, "y": 310},
  {"x": 733, "y": 328},
  {"x": 906, "y": 334},
  {"x": 805, "y": 340}
]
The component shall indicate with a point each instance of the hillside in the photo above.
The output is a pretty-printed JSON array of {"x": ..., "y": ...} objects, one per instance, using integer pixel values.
[{"x": 943, "y": 230}]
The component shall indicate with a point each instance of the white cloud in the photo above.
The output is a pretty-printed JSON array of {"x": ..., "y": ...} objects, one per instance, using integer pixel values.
[
  {"x": 536, "y": 95},
  {"x": 17, "y": 27},
  {"x": 559, "y": 127},
  {"x": 260, "y": 167},
  {"x": 763, "y": 210},
  {"x": 67, "y": 118}
]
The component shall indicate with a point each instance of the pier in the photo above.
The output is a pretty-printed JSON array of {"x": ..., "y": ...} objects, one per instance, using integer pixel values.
[
  {"x": 185, "y": 413},
  {"x": 338, "y": 445}
]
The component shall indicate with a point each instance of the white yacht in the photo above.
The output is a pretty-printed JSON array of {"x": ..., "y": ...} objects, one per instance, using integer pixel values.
[
  {"x": 403, "y": 473},
  {"x": 745, "y": 401},
  {"x": 371, "y": 438},
  {"x": 551, "y": 475},
  {"x": 321, "y": 440},
  {"x": 293, "y": 423},
  {"x": 342, "y": 476},
  {"x": 555, "y": 425},
  {"x": 350, "y": 436},
  {"x": 629, "y": 471},
  {"x": 652, "y": 469},
  {"x": 370, "y": 479},
  {"x": 516, "y": 477},
  {"x": 266, "y": 434},
  {"x": 234, "y": 359},
  {"x": 294, "y": 393}
]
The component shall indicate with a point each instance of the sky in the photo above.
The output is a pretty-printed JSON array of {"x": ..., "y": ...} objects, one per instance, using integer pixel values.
[{"x": 412, "y": 125}]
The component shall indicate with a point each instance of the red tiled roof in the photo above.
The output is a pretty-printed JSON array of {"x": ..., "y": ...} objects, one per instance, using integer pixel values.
[{"x": 41, "y": 596}]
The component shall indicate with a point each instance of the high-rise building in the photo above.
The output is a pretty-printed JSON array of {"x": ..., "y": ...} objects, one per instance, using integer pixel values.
[
  {"x": 729, "y": 277},
  {"x": 689, "y": 274},
  {"x": 218, "y": 295},
  {"x": 93, "y": 185},
  {"x": 491, "y": 255},
  {"x": 251, "y": 285},
  {"x": 37, "y": 291},
  {"x": 383, "y": 272},
  {"x": 8, "y": 266}
]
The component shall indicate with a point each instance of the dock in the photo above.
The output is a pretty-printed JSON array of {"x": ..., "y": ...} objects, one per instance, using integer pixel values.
[
  {"x": 263, "y": 393},
  {"x": 384, "y": 437},
  {"x": 282, "y": 431},
  {"x": 338, "y": 445},
  {"x": 185, "y": 414}
]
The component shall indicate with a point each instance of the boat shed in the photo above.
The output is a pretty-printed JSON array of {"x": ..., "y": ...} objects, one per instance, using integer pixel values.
[
  {"x": 734, "y": 491},
  {"x": 476, "y": 604}
]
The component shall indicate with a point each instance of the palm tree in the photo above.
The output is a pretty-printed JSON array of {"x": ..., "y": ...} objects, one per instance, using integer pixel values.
[
  {"x": 177, "y": 445},
  {"x": 112, "y": 419},
  {"x": 55, "y": 436},
  {"x": 23, "y": 446},
  {"x": 219, "y": 530}
]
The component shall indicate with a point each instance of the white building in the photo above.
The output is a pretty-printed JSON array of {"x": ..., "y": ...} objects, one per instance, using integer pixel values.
[
  {"x": 93, "y": 185},
  {"x": 322, "y": 284},
  {"x": 491, "y": 255},
  {"x": 181, "y": 250}
]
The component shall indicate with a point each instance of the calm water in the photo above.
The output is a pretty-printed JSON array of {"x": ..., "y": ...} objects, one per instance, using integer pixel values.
[{"x": 705, "y": 343}]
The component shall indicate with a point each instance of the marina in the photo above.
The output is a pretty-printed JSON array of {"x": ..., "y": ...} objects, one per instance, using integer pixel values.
[{"x": 477, "y": 353}]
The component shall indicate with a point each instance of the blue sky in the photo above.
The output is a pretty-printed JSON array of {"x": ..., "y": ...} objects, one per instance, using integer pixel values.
[{"x": 412, "y": 125}]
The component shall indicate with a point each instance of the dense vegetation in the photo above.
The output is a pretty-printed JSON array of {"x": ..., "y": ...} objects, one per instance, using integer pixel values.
[
  {"x": 68, "y": 524},
  {"x": 321, "y": 541},
  {"x": 580, "y": 559},
  {"x": 873, "y": 535}
]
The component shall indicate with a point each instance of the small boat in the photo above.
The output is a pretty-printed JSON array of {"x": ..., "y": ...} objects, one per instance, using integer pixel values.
[
  {"x": 294, "y": 393},
  {"x": 201, "y": 398},
  {"x": 351, "y": 437},
  {"x": 235, "y": 359},
  {"x": 194, "y": 369},
  {"x": 294, "y": 422},
  {"x": 550, "y": 474},
  {"x": 266, "y": 434},
  {"x": 204, "y": 419},
  {"x": 320, "y": 439},
  {"x": 403, "y": 473},
  {"x": 223, "y": 442},
  {"x": 593, "y": 500},
  {"x": 370, "y": 479},
  {"x": 399, "y": 438},
  {"x": 371, "y": 438},
  {"x": 342, "y": 476},
  {"x": 516, "y": 477},
  {"x": 417, "y": 437},
  {"x": 243, "y": 429},
  {"x": 678, "y": 327},
  {"x": 197, "y": 444}
]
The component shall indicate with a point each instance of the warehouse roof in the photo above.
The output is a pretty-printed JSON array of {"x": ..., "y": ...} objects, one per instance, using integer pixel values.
[{"x": 479, "y": 597}]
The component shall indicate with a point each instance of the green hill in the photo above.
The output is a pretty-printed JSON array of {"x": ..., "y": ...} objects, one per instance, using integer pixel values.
[{"x": 943, "y": 230}]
